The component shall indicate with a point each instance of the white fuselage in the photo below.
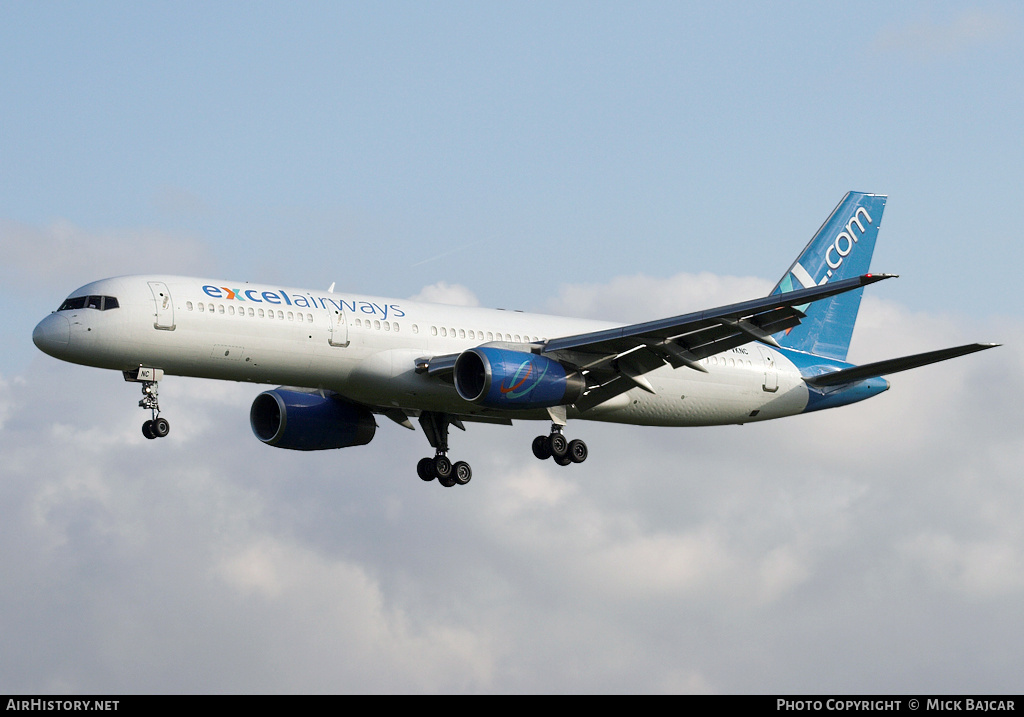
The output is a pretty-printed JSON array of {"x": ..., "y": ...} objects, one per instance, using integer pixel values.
[{"x": 365, "y": 348}]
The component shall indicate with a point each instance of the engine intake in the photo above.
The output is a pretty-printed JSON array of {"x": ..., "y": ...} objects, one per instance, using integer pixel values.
[
  {"x": 500, "y": 378},
  {"x": 308, "y": 421}
]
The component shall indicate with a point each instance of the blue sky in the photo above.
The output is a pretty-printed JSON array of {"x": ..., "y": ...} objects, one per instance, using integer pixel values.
[
  {"x": 588, "y": 158},
  {"x": 537, "y": 139}
]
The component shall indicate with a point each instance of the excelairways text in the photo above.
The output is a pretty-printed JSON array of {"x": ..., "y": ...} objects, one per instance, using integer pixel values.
[{"x": 304, "y": 301}]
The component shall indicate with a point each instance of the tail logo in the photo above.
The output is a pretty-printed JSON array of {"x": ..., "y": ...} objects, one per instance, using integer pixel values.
[{"x": 850, "y": 239}]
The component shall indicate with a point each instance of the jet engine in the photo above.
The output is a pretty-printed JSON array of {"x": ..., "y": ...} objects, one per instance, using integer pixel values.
[
  {"x": 309, "y": 421},
  {"x": 501, "y": 378}
]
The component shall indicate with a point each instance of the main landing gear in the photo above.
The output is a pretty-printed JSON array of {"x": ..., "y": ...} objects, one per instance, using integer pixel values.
[
  {"x": 448, "y": 474},
  {"x": 156, "y": 427},
  {"x": 558, "y": 447}
]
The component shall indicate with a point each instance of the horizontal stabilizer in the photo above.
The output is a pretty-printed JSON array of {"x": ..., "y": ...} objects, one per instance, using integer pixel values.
[{"x": 881, "y": 368}]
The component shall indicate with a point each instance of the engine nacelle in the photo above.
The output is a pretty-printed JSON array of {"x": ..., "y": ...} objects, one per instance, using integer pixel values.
[
  {"x": 500, "y": 378},
  {"x": 308, "y": 421}
]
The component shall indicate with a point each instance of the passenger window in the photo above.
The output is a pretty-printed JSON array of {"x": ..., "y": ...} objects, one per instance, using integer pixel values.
[
  {"x": 395, "y": 326},
  {"x": 220, "y": 308},
  {"x": 261, "y": 313},
  {"x": 387, "y": 326},
  {"x": 309, "y": 318},
  {"x": 462, "y": 333},
  {"x": 202, "y": 308},
  {"x": 300, "y": 317},
  {"x": 433, "y": 331},
  {"x": 188, "y": 305}
]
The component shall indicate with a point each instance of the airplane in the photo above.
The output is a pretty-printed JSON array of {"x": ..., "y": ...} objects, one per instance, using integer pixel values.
[{"x": 341, "y": 359}]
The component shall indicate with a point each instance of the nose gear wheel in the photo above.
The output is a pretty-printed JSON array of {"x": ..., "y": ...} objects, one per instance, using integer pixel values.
[{"x": 156, "y": 427}]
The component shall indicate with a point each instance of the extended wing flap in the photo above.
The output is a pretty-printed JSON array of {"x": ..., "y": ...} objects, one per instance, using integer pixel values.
[{"x": 882, "y": 368}]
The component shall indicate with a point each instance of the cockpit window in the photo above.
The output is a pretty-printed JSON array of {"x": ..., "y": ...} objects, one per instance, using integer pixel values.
[
  {"x": 77, "y": 302},
  {"x": 101, "y": 303}
]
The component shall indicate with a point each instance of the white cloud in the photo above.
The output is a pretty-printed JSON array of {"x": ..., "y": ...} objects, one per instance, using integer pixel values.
[
  {"x": 445, "y": 293},
  {"x": 980, "y": 569},
  {"x": 930, "y": 38},
  {"x": 703, "y": 560},
  {"x": 7, "y": 405},
  {"x": 639, "y": 297}
]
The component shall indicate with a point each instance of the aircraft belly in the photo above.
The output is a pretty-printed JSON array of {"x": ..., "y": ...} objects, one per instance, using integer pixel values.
[{"x": 389, "y": 378}]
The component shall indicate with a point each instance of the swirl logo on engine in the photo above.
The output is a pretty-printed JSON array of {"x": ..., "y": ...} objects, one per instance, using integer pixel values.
[{"x": 516, "y": 390}]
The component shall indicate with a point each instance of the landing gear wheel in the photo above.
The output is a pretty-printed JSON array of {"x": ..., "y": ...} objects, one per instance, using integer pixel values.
[
  {"x": 425, "y": 469},
  {"x": 462, "y": 473},
  {"x": 435, "y": 427},
  {"x": 161, "y": 427},
  {"x": 578, "y": 451},
  {"x": 442, "y": 467},
  {"x": 156, "y": 427},
  {"x": 541, "y": 448},
  {"x": 558, "y": 446},
  {"x": 563, "y": 460}
]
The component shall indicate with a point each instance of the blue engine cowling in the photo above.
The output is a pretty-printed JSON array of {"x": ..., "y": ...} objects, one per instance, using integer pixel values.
[
  {"x": 308, "y": 421},
  {"x": 500, "y": 378}
]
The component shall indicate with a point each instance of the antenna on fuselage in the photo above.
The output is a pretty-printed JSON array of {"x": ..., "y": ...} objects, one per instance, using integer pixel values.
[{"x": 330, "y": 289}]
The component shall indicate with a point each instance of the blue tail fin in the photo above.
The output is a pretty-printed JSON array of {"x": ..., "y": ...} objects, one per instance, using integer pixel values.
[{"x": 841, "y": 249}]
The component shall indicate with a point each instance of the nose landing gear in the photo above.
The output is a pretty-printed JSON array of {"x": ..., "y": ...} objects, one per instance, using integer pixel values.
[{"x": 156, "y": 427}]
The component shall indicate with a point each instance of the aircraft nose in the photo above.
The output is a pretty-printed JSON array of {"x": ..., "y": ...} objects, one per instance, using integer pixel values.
[{"x": 52, "y": 334}]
